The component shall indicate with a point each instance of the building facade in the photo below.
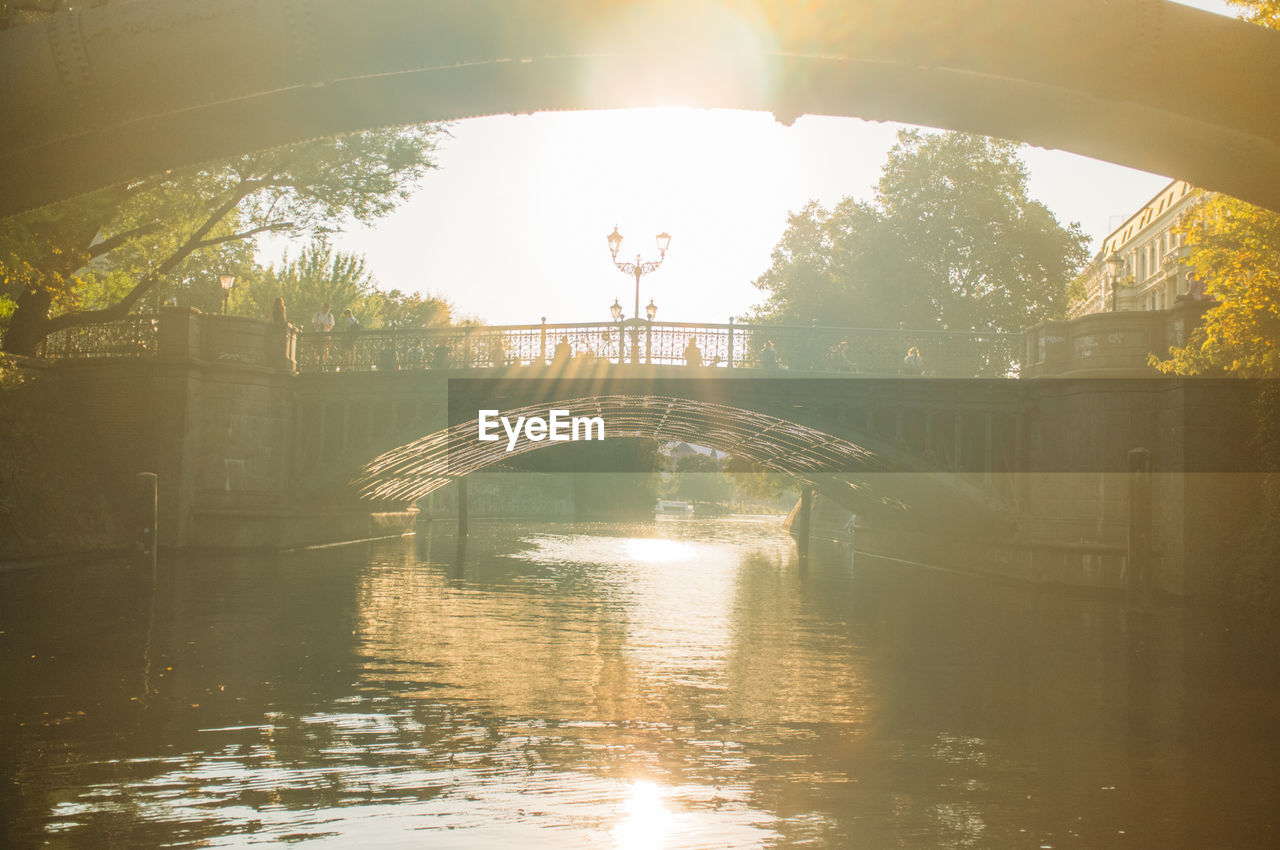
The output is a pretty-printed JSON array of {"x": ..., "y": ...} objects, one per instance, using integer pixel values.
[{"x": 1141, "y": 263}]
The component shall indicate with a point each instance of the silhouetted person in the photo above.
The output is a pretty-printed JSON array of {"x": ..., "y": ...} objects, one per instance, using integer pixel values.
[
  {"x": 563, "y": 352},
  {"x": 838, "y": 358},
  {"x": 692, "y": 354},
  {"x": 913, "y": 363},
  {"x": 322, "y": 321},
  {"x": 440, "y": 357},
  {"x": 768, "y": 356},
  {"x": 350, "y": 326},
  {"x": 497, "y": 352},
  {"x": 387, "y": 361},
  {"x": 416, "y": 357},
  {"x": 277, "y": 312}
]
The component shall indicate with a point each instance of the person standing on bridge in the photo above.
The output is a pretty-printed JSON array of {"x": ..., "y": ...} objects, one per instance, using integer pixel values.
[
  {"x": 277, "y": 311},
  {"x": 913, "y": 363},
  {"x": 350, "y": 326},
  {"x": 768, "y": 356},
  {"x": 416, "y": 357},
  {"x": 322, "y": 323},
  {"x": 692, "y": 354},
  {"x": 563, "y": 352},
  {"x": 387, "y": 361}
]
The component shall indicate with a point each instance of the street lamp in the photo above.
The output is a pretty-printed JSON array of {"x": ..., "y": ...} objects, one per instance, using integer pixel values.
[
  {"x": 228, "y": 282},
  {"x": 637, "y": 269},
  {"x": 1115, "y": 265},
  {"x": 651, "y": 310},
  {"x": 616, "y": 310}
]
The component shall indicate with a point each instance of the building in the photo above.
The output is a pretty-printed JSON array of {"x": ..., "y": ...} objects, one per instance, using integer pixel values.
[{"x": 1140, "y": 265}]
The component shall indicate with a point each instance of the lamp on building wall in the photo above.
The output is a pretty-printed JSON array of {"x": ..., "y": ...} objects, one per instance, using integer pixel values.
[{"x": 1115, "y": 268}]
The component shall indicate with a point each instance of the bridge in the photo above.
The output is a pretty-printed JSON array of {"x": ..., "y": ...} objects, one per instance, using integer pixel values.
[
  {"x": 221, "y": 408},
  {"x": 263, "y": 436}
]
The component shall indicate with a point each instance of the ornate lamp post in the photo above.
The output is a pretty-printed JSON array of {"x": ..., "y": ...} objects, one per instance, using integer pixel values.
[
  {"x": 638, "y": 269},
  {"x": 228, "y": 282},
  {"x": 1115, "y": 266},
  {"x": 615, "y": 310}
]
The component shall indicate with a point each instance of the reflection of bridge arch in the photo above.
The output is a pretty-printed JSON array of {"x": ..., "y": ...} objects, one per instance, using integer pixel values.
[
  {"x": 842, "y": 468},
  {"x": 1114, "y": 80}
]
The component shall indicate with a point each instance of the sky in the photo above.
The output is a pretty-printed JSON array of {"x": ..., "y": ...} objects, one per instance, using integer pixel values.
[{"x": 512, "y": 226}]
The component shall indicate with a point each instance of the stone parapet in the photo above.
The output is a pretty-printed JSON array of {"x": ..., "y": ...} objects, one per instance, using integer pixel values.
[
  {"x": 1108, "y": 344},
  {"x": 186, "y": 333}
]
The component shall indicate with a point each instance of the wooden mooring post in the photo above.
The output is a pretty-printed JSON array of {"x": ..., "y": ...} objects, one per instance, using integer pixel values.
[
  {"x": 462, "y": 510},
  {"x": 148, "y": 515}
]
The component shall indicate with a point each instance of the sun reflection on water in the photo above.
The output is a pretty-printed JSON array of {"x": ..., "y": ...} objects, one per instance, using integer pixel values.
[
  {"x": 651, "y": 550},
  {"x": 647, "y": 823}
]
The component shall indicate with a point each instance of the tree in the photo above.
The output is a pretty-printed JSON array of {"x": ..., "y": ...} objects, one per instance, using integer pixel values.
[
  {"x": 1264, "y": 12},
  {"x": 318, "y": 275},
  {"x": 150, "y": 230},
  {"x": 1235, "y": 252},
  {"x": 952, "y": 240},
  {"x": 698, "y": 478}
]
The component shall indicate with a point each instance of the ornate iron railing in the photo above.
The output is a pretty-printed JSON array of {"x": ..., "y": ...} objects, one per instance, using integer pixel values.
[
  {"x": 865, "y": 351},
  {"x": 134, "y": 336}
]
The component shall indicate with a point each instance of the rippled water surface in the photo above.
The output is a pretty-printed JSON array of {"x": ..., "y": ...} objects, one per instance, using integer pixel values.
[{"x": 672, "y": 684}]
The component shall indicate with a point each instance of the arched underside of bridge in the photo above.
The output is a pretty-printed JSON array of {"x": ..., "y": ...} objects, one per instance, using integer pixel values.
[
  {"x": 98, "y": 96},
  {"x": 892, "y": 488}
]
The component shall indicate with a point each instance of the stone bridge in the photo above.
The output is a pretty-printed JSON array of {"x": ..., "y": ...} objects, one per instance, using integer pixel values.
[{"x": 1029, "y": 473}]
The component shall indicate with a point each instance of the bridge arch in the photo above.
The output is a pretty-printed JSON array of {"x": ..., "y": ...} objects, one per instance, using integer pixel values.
[
  {"x": 1144, "y": 83},
  {"x": 863, "y": 474}
]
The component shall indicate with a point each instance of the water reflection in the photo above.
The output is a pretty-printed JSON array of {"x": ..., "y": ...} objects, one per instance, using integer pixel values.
[{"x": 664, "y": 685}]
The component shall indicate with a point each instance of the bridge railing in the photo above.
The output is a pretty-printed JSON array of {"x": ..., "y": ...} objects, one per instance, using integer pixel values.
[
  {"x": 133, "y": 336},
  {"x": 798, "y": 348}
]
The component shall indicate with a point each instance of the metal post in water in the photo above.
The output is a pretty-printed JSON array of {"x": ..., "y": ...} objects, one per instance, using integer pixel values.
[
  {"x": 1137, "y": 584},
  {"x": 148, "y": 510},
  {"x": 803, "y": 521}
]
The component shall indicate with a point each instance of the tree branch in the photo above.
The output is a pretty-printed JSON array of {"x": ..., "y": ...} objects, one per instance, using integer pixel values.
[
  {"x": 106, "y": 246},
  {"x": 245, "y": 234},
  {"x": 193, "y": 242}
]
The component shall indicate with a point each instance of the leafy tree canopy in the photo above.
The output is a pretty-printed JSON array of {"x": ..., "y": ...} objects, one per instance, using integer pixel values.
[
  {"x": 59, "y": 264},
  {"x": 1264, "y": 12},
  {"x": 1235, "y": 251},
  {"x": 321, "y": 275},
  {"x": 952, "y": 240}
]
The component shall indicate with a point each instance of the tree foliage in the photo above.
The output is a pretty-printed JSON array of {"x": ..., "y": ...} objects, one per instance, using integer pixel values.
[
  {"x": 697, "y": 478},
  {"x": 1235, "y": 251},
  {"x": 318, "y": 275},
  {"x": 151, "y": 231},
  {"x": 1264, "y": 12},
  {"x": 951, "y": 241}
]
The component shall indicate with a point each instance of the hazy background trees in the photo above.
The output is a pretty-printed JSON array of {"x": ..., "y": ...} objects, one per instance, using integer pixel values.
[{"x": 951, "y": 241}]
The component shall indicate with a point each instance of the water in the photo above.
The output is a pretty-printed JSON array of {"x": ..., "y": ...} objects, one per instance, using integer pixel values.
[{"x": 678, "y": 684}]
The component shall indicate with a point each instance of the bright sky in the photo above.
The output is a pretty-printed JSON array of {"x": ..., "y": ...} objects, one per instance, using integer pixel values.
[{"x": 512, "y": 226}]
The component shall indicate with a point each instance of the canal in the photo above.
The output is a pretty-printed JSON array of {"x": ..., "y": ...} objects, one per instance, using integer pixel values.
[{"x": 669, "y": 684}]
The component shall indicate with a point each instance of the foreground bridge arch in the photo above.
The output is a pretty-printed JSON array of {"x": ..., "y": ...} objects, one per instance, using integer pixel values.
[{"x": 1144, "y": 83}]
